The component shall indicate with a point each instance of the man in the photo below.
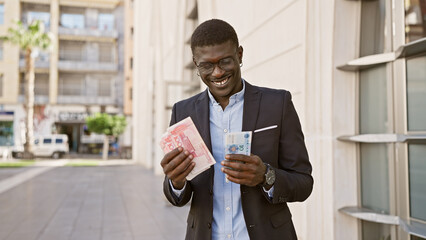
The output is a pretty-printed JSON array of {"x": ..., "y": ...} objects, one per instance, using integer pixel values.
[{"x": 247, "y": 198}]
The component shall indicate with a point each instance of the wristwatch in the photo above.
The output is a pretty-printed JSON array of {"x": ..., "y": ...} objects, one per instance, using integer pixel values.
[{"x": 269, "y": 176}]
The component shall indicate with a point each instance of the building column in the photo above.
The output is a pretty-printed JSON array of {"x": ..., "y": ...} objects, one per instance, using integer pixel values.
[{"x": 54, "y": 54}]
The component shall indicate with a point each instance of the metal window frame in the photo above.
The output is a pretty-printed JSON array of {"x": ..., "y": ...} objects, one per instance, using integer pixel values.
[{"x": 412, "y": 227}]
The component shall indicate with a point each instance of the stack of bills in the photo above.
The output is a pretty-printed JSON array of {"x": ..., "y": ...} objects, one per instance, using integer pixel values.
[
  {"x": 238, "y": 143},
  {"x": 184, "y": 134}
]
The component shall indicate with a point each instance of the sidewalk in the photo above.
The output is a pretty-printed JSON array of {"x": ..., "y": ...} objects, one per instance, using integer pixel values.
[{"x": 106, "y": 202}]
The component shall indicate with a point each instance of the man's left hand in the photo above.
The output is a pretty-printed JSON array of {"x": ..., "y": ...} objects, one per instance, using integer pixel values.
[{"x": 243, "y": 169}]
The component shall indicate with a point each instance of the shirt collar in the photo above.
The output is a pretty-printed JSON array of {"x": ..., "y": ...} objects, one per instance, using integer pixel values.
[{"x": 239, "y": 96}]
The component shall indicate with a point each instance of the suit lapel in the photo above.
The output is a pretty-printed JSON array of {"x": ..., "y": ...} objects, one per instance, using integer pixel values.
[
  {"x": 202, "y": 121},
  {"x": 252, "y": 98}
]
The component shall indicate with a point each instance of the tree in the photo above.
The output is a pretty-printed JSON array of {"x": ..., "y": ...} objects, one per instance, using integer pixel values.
[
  {"x": 29, "y": 38},
  {"x": 109, "y": 125}
]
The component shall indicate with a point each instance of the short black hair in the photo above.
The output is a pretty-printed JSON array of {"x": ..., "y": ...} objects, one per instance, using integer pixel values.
[{"x": 213, "y": 32}]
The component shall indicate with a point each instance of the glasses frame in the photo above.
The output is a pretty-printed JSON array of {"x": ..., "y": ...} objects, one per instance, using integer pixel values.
[{"x": 218, "y": 64}]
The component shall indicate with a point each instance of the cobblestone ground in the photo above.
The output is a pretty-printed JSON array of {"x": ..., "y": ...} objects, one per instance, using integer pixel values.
[{"x": 103, "y": 202}]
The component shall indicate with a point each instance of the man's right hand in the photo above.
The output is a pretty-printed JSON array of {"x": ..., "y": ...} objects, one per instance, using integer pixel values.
[{"x": 177, "y": 164}]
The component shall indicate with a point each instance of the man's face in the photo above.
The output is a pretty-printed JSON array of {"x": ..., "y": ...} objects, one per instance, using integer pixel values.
[{"x": 219, "y": 68}]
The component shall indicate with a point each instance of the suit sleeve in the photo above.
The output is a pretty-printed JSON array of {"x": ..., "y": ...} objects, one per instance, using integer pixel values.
[
  {"x": 293, "y": 175},
  {"x": 168, "y": 191}
]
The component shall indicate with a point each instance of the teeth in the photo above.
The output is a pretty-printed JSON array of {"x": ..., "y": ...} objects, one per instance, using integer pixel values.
[{"x": 221, "y": 82}]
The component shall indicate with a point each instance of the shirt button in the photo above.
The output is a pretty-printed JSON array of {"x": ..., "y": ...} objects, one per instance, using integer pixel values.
[
  {"x": 229, "y": 236},
  {"x": 228, "y": 208},
  {"x": 225, "y": 130}
]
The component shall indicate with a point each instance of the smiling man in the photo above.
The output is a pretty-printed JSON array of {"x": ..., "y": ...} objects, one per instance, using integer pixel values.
[{"x": 246, "y": 198}]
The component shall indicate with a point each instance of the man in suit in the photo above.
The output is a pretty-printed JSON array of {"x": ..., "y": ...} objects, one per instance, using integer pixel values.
[{"x": 247, "y": 198}]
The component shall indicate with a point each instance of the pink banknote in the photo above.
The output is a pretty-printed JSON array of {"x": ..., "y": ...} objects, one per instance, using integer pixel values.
[{"x": 185, "y": 134}]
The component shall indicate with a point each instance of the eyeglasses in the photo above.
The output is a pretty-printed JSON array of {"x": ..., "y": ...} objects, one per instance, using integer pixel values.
[{"x": 225, "y": 64}]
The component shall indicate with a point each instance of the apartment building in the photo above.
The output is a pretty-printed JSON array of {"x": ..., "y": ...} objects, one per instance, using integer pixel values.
[
  {"x": 81, "y": 74},
  {"x": 357, "y": 74}
]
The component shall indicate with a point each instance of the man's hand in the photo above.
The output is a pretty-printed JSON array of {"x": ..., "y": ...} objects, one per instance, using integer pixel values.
[
  {"x": 177, "y": 164},
  {"x": 249, "y": 171}
]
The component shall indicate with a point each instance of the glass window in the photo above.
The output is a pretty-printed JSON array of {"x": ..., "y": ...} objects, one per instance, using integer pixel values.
[
  {"x": 415, "y": 20},
  {"x": 2, "y": 13},
  {"x": 71, "y": 20},
  {"x": 44, "y": 17},
  {"x": 59, "y": 141},
  {"x": 373, "y": 104},
  {"x": 375, "y": 177},
  {"x": 47, "y": 140},
  {"x": 416, "y": 93},
  {"x": 417, "y": 238},
  {"x": 41, "y": 84},
  {"x": 6, "y": 133},
  {"x": 72, "y": 85},
  {"x": 106, "y": 21},
  {"x": 72, "y": 51},
  {"x": 104, "y": 87},
  {"x": 375, "y": 231},
  {"x": 417, "y": 170},
  {"x": 106, "y": 52},
  {"x": 373, "y": 15}
]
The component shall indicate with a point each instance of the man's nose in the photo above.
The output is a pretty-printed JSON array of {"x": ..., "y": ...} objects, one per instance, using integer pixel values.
[{"x": 217, "y": 71}]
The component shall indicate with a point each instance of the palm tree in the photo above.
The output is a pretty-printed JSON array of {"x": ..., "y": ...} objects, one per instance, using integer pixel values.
[{"x": 29, "y": 38}]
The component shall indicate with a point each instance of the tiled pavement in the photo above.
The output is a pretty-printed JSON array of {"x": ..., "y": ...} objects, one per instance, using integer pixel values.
[{"x": 106, "y": 202}]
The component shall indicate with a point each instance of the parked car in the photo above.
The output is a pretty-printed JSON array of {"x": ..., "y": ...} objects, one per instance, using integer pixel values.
[{"x": 55, "y": 146}]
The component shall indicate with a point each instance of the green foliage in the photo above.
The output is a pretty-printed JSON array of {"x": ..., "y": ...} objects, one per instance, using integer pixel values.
[
  {"x": 29, "y": 37},
  {"x": 103, "y": 123},
  {"x": 16, "y": 164}
]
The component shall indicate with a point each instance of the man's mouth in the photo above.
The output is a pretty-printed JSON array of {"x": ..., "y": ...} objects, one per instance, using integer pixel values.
[{"x": 221, "y": 83}]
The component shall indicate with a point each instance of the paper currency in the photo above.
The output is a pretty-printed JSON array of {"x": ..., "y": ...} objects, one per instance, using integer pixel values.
[
  {"x": 185, "y": 134},
  {"x": 238, "y": 143}
]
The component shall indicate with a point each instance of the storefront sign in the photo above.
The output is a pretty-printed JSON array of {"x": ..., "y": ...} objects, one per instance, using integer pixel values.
[{"x": 72, "y": 116}]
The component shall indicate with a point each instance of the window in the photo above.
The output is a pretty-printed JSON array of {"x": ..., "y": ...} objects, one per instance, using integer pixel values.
[
  {"x": 44, "y": 17},
  {"x": 106, "y": 21},
  {"x": 72, "y": 84},
  {"x": 71, "y": 51},
  {"x": 416, "y": 93},
  {"x": 106, "y": 52},
  {"x": 47, "y": 141},
  {"x": 72, "y": 20},
  {"x": 41, "y": 84},
  {"x": 59, "y": 141},
  {"x": 2, "y": 13},
  {"x": 6, "y": 133},
  {"x": 104, "y": 87},
  {"x": 415, "y": 20},
  {"x": 392, "y": 121}
]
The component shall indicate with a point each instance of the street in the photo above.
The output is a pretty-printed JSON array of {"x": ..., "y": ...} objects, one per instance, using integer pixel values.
[{"x": 115, "y": 202}]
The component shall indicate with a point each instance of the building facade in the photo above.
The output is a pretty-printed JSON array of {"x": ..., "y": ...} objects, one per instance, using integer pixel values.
[
  {"x": 357, "y": 73},
  {"x": 82, "y": 74}
]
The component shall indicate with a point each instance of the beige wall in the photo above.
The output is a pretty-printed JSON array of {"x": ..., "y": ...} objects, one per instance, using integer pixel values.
[{"x": 291, "y": 44}]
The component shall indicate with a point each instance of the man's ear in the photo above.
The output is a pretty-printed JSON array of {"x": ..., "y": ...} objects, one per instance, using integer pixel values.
[{"x": 240, "y": 54}]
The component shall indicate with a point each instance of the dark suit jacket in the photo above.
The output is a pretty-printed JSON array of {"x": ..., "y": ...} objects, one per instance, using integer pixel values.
[{"x": 282, "y": 147}]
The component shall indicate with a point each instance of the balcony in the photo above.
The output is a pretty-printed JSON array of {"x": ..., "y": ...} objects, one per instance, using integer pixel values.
[
  {"x": 38, "y": 64},
  {"x": 84, "y": 66},
  {"x": 86, "y": 34},
  {"x": 96, "y": 100}
]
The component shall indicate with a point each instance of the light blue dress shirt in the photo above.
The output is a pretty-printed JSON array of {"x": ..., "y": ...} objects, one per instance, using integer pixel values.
[{"x": 228, "y": 218}]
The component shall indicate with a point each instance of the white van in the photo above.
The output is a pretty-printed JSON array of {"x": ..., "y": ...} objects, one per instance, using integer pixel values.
[{"x": 54, "y": 146}]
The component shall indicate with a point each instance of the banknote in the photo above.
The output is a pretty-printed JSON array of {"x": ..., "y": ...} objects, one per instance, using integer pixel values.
[
  {"x": 238, "y": 143},
  {"x": 185, "y": 134}
]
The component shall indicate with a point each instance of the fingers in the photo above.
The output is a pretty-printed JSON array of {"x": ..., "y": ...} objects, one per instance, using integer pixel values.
[
  {"x": 242, "y": 169},
  {"x": 243, "y": 158},
  {"x": 170, "y": 155}
]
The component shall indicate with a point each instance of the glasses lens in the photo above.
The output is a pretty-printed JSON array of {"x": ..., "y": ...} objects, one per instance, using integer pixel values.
[{"x": 226, "y": 63}]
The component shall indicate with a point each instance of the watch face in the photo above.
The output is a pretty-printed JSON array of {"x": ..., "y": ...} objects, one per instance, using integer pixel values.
[{"x": 270, "y": 177}]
